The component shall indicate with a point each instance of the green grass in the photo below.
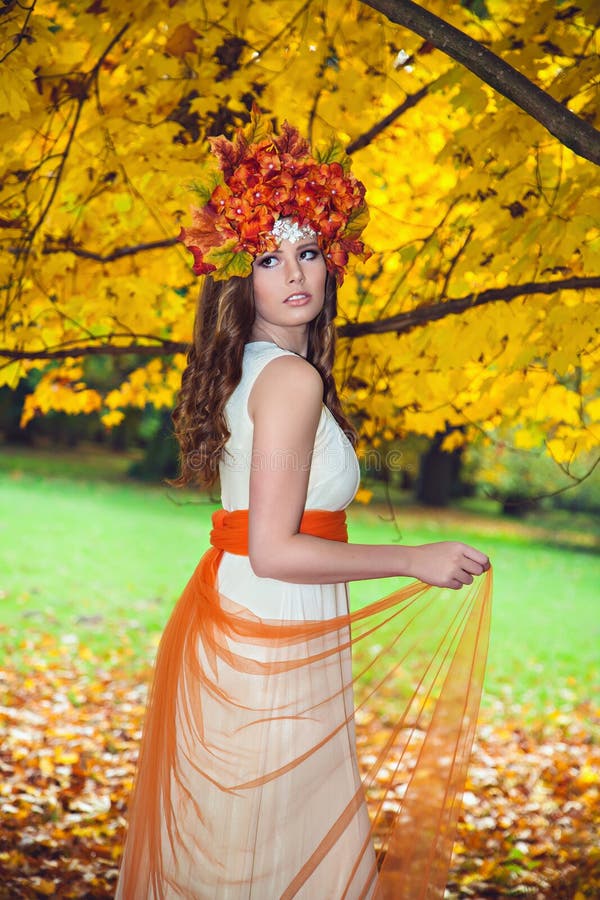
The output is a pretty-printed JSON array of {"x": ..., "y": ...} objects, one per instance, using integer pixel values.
[
  {"x": 545, "y": 639},
  {"x": 99, "y": 562}
]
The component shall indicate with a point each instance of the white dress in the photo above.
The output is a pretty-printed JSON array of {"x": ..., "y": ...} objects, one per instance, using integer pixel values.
[
  {"x": 248, "y": 784},
  {"x": 263, "y": 836},
  {"x": 287, "y": 820}
]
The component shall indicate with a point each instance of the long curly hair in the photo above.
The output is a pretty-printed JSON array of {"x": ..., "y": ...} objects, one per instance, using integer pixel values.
[{"x": 222, "y": 326}]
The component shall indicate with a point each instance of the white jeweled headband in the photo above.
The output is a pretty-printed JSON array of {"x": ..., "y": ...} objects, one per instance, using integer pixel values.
[{"x": 289, "y": 230}]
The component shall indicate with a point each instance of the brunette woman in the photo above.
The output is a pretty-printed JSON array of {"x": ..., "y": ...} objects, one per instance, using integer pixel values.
[{"x": 248, "y": 782}]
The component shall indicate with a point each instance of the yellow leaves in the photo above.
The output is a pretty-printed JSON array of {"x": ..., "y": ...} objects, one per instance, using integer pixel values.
[
  {"x": 182, "y": 40},
  {"x": 592, "y": 410},
  {"x": 43, "y": 886},
  {"x": 122, "y": 202},
  {"x": 11, "y": 374},
  {"x": 15, "y": 87},
  {"x": 567, "y": 443},
  {"x": 112, "y": 418},
  {"x": 153, "y": 383},
  {"x": 363, "y": 495},
  {"x": 453, "y": 441},
  {"x": 63, "y": 757},
  {"x": 588, "y": 775},
  {"x": 425, "y": 423},
  {"x": 466, "y": 193},
  {"x": 558, "y": 403},
  {"x": 525, "y": 439},
  {"x": 46, "y": 766},
  {"x": 57, "y": 391}
]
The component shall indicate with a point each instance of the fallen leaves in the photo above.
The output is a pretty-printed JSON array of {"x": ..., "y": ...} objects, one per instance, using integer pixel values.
[{"x": 70, "y": 729}]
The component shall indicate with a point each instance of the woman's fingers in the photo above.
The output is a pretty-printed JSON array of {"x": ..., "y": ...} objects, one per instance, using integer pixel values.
[
  {"x": 476, "y": 556},
  {"x": 473, "y": 567}
]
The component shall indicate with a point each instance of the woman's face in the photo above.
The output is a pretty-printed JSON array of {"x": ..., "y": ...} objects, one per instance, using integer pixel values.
[{"x": 289, "y": 285}]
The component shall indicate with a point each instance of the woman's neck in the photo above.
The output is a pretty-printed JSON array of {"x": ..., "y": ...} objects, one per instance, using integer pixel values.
[{"x": 296, "y": 341}]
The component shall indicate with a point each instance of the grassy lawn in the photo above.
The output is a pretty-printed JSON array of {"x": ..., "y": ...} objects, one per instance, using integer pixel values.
[{"x": 99, "y": 561}]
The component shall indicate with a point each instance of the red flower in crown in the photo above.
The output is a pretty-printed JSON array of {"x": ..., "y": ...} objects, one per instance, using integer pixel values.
[{"x": 262, "y": 178}]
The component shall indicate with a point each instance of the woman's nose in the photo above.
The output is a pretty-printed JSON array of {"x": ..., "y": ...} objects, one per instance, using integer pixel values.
[{"x": 294, "y": 270}]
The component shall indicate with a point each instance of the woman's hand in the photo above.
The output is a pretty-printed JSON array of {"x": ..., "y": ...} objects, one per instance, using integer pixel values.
[{"x": 449, "y": 564}]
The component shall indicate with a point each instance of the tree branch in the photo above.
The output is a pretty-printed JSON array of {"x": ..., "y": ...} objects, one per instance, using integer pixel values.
[
  {"x": 575, "y": 133},
  {"x": 20, "y": 37},
  {"x": 86, "y": 84},
  {"x": 59, "y": 245},
  {"x": 163, "y": 348},
  {"x": 433, "y": 312},
  {"x": 365, "y": 139},
  {"x": 400, "y": 324}
]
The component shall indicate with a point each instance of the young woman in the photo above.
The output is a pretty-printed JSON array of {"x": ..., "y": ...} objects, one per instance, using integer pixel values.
[{"x": 248, "y": 781}]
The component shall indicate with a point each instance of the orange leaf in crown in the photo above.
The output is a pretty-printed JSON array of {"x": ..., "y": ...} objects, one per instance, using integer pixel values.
[
  {"x": 357, "y": 248},
  {"x": 291, "y": 142},
  {"x": 344, "y": 189},
  {"x": 227, "y": 154},
  {"x": 262, "y": 168},
  {"x": 337, "y": 259},
  {"x": 246, "y": 175},
  {"x": 200, "y": 267},
  {"x": 202, "y": 232},
  {"x": 219, "y": 199}
]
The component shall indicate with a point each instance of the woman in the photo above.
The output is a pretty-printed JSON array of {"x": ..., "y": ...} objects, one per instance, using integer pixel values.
[{"x": 248, "y": 782}]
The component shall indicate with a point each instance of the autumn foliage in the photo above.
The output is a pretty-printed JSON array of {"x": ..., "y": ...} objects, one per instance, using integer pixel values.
[
  {"x": 71, "y": 729},
  {"x": 478, "y": 306}
]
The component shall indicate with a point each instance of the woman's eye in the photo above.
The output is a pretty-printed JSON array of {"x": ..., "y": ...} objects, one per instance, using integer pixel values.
[
  {"x": 268, "y": 262},
  {"x": 309, "y": 254}
]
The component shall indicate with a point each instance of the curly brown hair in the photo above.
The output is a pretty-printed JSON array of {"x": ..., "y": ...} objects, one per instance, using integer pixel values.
[{"x": 222, "y": 326}]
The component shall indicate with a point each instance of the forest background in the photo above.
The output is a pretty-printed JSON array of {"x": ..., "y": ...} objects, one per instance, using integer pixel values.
[{"x": 468, "y": 353}]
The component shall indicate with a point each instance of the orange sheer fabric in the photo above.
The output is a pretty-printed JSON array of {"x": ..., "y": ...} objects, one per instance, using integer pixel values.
[{"x": 247, "y": 783}]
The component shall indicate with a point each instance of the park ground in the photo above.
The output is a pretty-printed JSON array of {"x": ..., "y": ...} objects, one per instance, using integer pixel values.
[{"x": 91, "y": 564}]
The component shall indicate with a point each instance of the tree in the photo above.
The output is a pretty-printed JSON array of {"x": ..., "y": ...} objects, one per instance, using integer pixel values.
[{"x": 477, "y": 307}]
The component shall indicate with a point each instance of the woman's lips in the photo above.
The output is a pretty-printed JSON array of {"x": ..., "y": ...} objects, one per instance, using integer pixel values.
[{"x": 298, "y": 298}]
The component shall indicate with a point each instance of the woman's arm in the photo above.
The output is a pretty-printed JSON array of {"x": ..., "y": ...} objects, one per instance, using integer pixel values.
[{"x": 285, "y": 406}]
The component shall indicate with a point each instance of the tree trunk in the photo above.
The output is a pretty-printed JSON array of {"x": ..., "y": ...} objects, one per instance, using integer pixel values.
[{"x": 439, "y": 475}]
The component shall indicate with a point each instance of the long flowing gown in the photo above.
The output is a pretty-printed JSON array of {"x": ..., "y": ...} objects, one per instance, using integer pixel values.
[{"x": 248, "y": 784}]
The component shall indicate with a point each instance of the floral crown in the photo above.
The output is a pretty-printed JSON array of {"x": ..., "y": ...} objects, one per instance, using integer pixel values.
[{"x": 262, "y": 179}]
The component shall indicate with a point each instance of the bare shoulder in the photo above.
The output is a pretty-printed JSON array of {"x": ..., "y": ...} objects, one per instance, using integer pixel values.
[{"x": 289, "y": 380}]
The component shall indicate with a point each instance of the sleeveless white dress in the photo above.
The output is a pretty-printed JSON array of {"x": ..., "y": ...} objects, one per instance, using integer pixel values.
[
  {"x": 248, "y": 784},
  {"x": 266, "y": 836}
]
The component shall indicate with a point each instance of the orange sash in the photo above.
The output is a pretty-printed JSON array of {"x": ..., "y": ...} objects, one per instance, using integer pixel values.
[
  {"x": 230, "y": 529},
  {"x": 420, "y": 652}
]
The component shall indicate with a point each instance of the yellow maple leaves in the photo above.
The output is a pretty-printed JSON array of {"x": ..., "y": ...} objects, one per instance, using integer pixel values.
[
  {"x": 467, "y": 194},
  {"x": 59, "y": 389}
]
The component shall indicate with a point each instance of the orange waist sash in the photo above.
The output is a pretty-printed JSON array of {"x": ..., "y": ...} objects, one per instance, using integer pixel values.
[{"x": 230, "y": 529}]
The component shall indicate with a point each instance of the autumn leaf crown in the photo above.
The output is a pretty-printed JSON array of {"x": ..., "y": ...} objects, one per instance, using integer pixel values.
[{"x": 260, "y": 178}]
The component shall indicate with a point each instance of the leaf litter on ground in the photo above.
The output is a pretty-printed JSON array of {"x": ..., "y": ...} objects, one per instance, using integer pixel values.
[{"x": 70, "y": 727}]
